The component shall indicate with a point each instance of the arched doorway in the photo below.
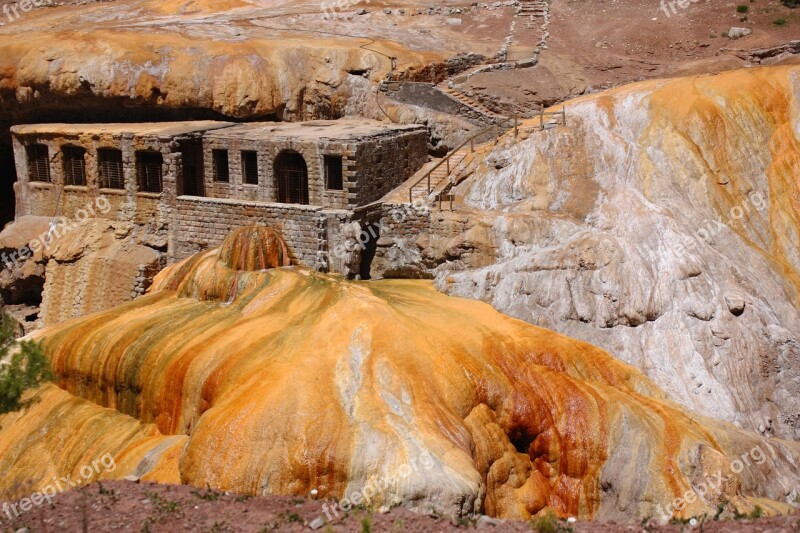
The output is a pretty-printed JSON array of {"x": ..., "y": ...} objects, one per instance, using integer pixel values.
[{"x": 291, "y": 174}]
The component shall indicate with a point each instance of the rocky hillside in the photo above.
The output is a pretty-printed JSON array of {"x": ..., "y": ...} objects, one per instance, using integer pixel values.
[{"x": 661, "y": 224}]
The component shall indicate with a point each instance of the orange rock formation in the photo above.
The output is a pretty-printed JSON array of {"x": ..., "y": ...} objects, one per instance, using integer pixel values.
[{"x": 282, "y": 380}]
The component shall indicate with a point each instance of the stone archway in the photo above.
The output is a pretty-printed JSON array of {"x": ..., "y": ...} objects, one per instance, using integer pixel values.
[{"x": 291, "y": 177}]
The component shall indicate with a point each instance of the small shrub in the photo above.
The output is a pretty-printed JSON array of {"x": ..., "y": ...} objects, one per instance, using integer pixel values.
[
  {"x": 721, "y": 509},
  {"x": 209, "y": 495},
  {"x": 780, "y": 21},
  {"x": 791, "y": 3},
  {"x": 164, "y": 507},
  {"x": 549, "y": 523},
  {"x": 366, "y": 525},
  {"x": 219, "y": 527},
  {"x": 111, "y": 493},
  {"x": 742, "y": 9},
  {"x": 291, "y": 518},
  {"x": 758, "y": 512},
  {"x": 27, "y": 368},
  {"x": 468, "y": 523}
]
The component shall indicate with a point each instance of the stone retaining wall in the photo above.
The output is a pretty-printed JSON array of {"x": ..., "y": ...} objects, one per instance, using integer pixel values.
[
  {"x": 310, "y": 232},
  {"x": 429, "y": 96}
]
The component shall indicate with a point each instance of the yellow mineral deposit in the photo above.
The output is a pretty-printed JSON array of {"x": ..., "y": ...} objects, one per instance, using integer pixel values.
[{"x": 241, "y": 373}]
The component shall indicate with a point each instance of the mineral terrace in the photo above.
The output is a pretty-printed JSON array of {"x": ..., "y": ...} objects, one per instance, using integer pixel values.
[{"x": 514, "y": 264}]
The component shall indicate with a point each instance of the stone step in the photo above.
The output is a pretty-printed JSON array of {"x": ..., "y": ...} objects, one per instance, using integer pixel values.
[{"x": 470, "y": 102}]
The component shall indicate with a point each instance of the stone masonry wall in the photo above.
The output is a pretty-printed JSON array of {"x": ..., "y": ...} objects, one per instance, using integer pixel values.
[
  {"x": 413, "y": 241},
  {"x": 184, "y": 225},
  {"x": 371, "y": 166},
  {"x": 268, "y": 150},
  {"x": 385, "y": 162},
  {"x": 310, "y": 232},
  {"x": 128, "y": 204}
]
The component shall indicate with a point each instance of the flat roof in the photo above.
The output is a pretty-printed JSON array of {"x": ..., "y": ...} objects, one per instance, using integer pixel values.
[
  {"x": 342, "y": 129},
  {"x": 156, "y": 129}
]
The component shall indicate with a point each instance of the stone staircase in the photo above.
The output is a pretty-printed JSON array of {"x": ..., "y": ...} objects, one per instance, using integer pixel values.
[
  {"x": 470, "y": 102},
  {"x": 533, "y": 8},
  {"x": 530, "y": 35}
]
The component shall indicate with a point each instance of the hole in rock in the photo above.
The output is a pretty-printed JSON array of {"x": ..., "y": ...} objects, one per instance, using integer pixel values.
[{"x": 373, "y": 231}]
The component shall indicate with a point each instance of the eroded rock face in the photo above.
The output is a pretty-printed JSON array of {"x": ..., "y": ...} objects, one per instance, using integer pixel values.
[
  {"x": 57, "y": 269},
  {"x": 663, "y": 225},
  {"x": 284, "y": 380},
  {"x": 244, "y": 59}
]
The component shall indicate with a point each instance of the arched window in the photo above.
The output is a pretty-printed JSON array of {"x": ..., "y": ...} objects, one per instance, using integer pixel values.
[{"x": 291, "y": 175}]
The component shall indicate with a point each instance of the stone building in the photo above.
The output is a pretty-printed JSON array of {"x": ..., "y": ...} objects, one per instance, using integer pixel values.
[
  {"x": 340, "y": 164},
  {"x": 138, "y": 167},
  {"x": 191, "y": 183}
]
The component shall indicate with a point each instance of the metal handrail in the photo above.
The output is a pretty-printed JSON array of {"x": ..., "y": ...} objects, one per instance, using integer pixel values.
[
  {"x": 471, "y": 141},
  {"x": 446, "y": 160}
]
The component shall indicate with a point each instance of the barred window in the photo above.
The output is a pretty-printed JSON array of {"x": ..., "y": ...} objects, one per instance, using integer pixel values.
[
  {"x": 221, "y": 170},
  {"x": 74, "y": 159},
  {"x": 149, "y": 170},
  {"x": 112, "y": 175},
  {"x": 250, "y": 167},
  {"x": 291, "y": 174},
  {"x": 333, "y": 172},
  {"x": 38, "y": 162}
]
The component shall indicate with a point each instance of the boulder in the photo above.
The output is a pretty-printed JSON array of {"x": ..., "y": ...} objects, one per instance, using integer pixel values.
[{"x": 736, "y": 33}]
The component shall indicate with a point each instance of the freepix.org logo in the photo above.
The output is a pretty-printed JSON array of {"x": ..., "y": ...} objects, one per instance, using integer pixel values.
[
  {"x": 670, "y": 7},
  {"x": 59, "y": 227},
  {"x": 14, "y": 11},
  {"x": 59, "y": 485}
]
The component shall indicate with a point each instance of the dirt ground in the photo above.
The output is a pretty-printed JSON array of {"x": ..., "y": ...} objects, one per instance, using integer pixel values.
[
  {"x": 598, "y": 45},
  {"x": 128, "y": 506}
]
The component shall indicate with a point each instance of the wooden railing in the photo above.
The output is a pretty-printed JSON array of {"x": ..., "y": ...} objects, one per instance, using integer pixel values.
[
  {"x": 499, "y": 127},
  {"x": 562, "y": 114}
]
